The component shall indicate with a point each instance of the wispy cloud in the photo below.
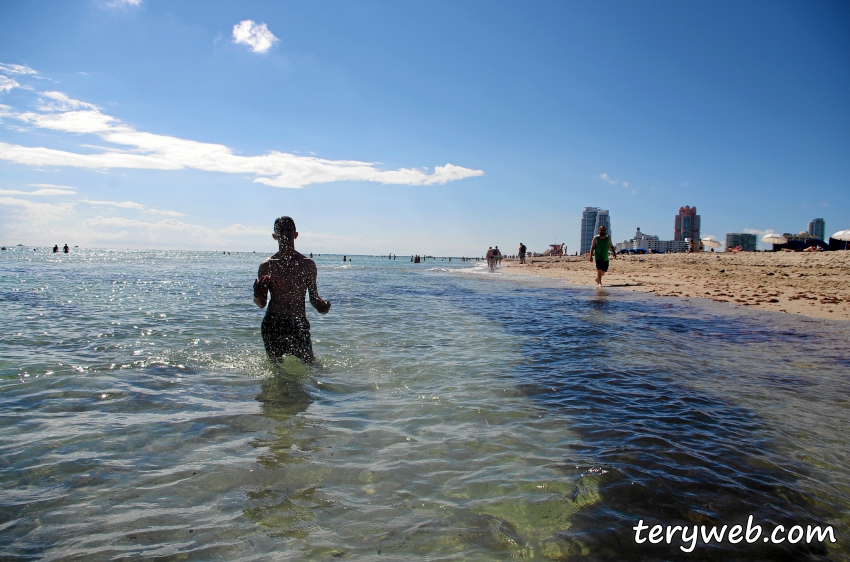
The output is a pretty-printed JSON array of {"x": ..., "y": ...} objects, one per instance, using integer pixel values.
[
  {"x": 256, "y": 36},
  {"x": 758, "y": 232},
  {"x": 30, "y": 221},
  {"x": 64, "y": 187},
  {"x": 43, "y": 191},
  {"x": 132, "y": 205},
  {"x": 163, "y": 232},
  {"x": 142, "y": 150},
  {"x": 611, "y": 181},
  {"x": 121, "y": 3},
  {"x": 16, "y": 69},
  {"x": 7, "y": 84},
  {"x": 57, "y": 101},
  {"x": 606, "y": 178}
]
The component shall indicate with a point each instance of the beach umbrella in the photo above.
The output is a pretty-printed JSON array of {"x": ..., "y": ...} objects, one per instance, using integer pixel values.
[
  {"x": 843, "y": 235},
  {"x": 774, "y": 238},
  {"x": 710, "y": 242}
]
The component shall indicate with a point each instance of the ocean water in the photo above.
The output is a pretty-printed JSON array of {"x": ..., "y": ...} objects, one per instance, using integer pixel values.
[{"x": 452, "y": 414}]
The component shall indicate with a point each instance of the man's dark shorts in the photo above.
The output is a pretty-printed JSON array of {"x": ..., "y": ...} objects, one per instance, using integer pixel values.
[
  {"x": 602, "y": 265},
  {"x": 287, "y": 335}
]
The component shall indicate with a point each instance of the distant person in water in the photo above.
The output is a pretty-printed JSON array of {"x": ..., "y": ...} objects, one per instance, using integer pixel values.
[
  {"x": 56, "y": 249},
  {"x": 600, "y": 249},
  {"x": 288, "y": 275},
  {"x": 66, "y": 249},
  {"x": 491, "y": 260}
]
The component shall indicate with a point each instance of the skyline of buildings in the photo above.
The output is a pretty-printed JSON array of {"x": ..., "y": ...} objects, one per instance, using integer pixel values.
[{"x": 686, "y": 233}]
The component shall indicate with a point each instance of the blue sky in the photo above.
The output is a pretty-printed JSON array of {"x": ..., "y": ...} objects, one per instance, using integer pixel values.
[{"x": 429, "y": 127}]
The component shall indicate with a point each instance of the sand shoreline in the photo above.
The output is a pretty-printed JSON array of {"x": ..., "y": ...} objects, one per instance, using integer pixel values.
[{"x": 809, "y": 284}]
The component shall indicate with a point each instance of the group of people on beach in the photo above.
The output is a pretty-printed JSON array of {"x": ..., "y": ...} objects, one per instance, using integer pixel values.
[
  {"x": 494, "y": 257},
  {"x": 601, "y": 249}
]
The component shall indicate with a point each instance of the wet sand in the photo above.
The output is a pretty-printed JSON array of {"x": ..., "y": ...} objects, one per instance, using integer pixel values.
[{"x": 811, "y": 284}]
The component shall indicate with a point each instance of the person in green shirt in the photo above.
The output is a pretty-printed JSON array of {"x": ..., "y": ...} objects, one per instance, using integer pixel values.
[{"x": 600, "y": 249}]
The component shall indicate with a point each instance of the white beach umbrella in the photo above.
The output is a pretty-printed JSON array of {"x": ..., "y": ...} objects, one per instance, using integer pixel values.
[
  {"x": 710, "y": 242},
  {"x": 774, "y": 238},
  {"x": 843, "y": 235}
]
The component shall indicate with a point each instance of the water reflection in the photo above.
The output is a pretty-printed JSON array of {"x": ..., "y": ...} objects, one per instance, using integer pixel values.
[{"x": 282, "y": 505}]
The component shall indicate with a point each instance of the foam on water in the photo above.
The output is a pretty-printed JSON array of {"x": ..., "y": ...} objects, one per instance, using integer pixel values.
[{"x": 452, "y": 414}]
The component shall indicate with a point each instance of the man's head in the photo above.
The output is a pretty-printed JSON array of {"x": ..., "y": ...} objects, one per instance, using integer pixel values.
[
  {"x": 284, "y": 230},
  {"x": 602, "y": 230}
]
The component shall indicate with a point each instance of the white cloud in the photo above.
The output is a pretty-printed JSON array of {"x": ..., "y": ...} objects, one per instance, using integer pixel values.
[
  {"x": 163, "y": 232},
  {"x": 120, "y": 3},
  {"x": 57, "y": 101},
  {"x": 44, "y": 191},
  {"x": 758, "y": 232},
  {"x": 625, "y": 184},
  {"x": 48, "y": 185},
  {"x": 120, "y": 204},
  {"x": 90, "y": 121},
  {"x": 16, "y": 69},
  {"x": 133, "y": 205},
  {"x": 162, "y": 152},
  {"x": 31, "y": 222},
  {"x": 604, "y": 177},
  {"x": 7, "y": 84},
  {"x": 256, "y": 36}
]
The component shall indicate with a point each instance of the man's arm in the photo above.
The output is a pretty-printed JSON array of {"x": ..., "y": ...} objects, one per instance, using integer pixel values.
[
  {"x": 261, "y": 285},
  {"x": 320, "y": 305},
  {"x": 592, "y": 248}
]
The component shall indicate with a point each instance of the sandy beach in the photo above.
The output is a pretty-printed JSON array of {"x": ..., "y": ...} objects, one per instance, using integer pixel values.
[{"x": 811, "y": 284}]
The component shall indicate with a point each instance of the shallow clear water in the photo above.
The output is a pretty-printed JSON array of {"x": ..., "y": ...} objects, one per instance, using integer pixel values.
[{"x": 452, "y": 414}]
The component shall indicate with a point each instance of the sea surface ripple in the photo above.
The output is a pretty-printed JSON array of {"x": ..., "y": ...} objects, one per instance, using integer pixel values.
[{"x": 453, "y": 414}]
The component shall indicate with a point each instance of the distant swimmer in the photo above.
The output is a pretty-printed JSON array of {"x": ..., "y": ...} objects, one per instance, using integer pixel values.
[
  {"x": 344, "y": 258},
  {"x": 66, "y": 249},
  {"x": 56, "y": 249},
  {"x": 600, "y": 249},
  {"x": 288, "y": 275}
]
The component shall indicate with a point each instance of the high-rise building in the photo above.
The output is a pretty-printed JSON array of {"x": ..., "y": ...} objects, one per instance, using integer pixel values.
[
  {"x": 591, "y": 219},
  {"x": 651, "y": 242},
  {"x": 687, "y": 224},
  {"x": 747, "y": 242},
  {"x": 817, "y": 228}
]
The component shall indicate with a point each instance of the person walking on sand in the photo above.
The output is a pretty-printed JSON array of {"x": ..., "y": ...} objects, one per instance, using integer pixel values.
[
  {"x": 491, "y": 260},
  {"x": 600, "y": 249},
  {"x": 522, "y": 250},
  {"x": 288, "y": 275}
]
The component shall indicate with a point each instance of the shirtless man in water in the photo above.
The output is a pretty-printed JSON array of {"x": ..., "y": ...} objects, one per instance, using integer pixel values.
[{"x": 289, "y": 275}]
